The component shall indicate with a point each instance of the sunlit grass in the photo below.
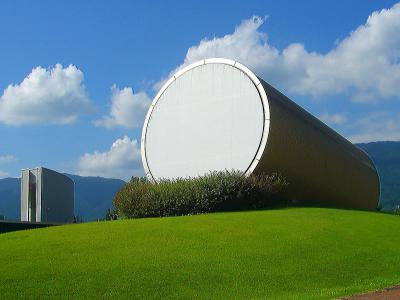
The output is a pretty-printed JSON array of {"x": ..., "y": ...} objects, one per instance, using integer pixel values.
[{"x": 295, "y": 253}]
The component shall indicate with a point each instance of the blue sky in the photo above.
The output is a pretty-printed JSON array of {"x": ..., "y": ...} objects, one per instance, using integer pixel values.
[{"x": 85, "y": 71}]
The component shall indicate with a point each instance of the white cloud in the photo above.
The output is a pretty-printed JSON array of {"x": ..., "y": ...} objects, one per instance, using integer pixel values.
[
  {"x": 333, "y": 119},
  {"x": 46, "y": 96},
  {"x": 366, "y": 62},
  {"x": 122, "y": 160},
  {"x": 3, "y": 174},
  {"x": 379, "y": 126},
  {"x": 127, "y": 109},
  {"x": 7, "y": 159}
]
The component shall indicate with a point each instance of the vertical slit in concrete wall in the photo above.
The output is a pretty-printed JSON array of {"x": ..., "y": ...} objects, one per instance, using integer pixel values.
[{"x": 32, "y": 198}]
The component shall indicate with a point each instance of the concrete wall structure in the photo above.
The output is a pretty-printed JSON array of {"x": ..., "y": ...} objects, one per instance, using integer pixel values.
[
  {"x": 46, "y": 196},
  {"x": 216, "y": 114}
]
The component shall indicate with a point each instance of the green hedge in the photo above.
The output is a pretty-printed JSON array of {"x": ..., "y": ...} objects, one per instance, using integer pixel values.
[{"x": 216, "y": 191}]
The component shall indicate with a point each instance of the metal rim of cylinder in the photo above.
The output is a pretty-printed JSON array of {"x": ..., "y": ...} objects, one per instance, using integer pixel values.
[{"x": 258, "y": 85}]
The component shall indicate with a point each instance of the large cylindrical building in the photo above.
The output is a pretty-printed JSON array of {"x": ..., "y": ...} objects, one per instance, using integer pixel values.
[{"x": 216, "y": 114}]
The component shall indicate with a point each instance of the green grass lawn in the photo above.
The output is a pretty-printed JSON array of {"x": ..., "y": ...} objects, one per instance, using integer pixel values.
[{"x": 296, "y": 253}]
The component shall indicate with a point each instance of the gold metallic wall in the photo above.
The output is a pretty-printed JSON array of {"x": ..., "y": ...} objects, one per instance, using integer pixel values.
[{"x": 321, "y": 166}]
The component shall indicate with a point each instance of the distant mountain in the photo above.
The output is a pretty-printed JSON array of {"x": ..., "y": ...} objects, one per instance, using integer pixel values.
[
  {"x": 93, "y": 196},
  {"x": 386, "y": 156},
  {"x": 10, "y": 198}
]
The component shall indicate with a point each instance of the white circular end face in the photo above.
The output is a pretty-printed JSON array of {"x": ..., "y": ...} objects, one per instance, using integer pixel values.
[{"x": 210, "y": 117}]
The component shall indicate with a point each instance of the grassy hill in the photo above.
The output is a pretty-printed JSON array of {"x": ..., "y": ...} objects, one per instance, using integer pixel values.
[{"x": 295, "y": 253}]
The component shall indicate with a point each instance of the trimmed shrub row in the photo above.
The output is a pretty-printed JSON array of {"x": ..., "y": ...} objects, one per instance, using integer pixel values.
[{"x": 216, "y": 191}]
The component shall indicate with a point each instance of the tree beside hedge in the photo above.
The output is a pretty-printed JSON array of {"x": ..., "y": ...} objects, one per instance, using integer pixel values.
[{"x": 216, "y": 191}]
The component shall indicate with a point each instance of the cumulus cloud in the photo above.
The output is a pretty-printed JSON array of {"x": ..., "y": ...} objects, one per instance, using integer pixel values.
[
  {"x": 377, "y": 126},
  {"x": 7, "y": 159},
  {"x": 334, "y": 119},
  {"x": 3, "y": 174},
  {"x": 127, "y": 109},
  {"x": 366, "y": 63},
  {"x": 46, "y": 96},
  {"x": 122, "y": 160}
]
